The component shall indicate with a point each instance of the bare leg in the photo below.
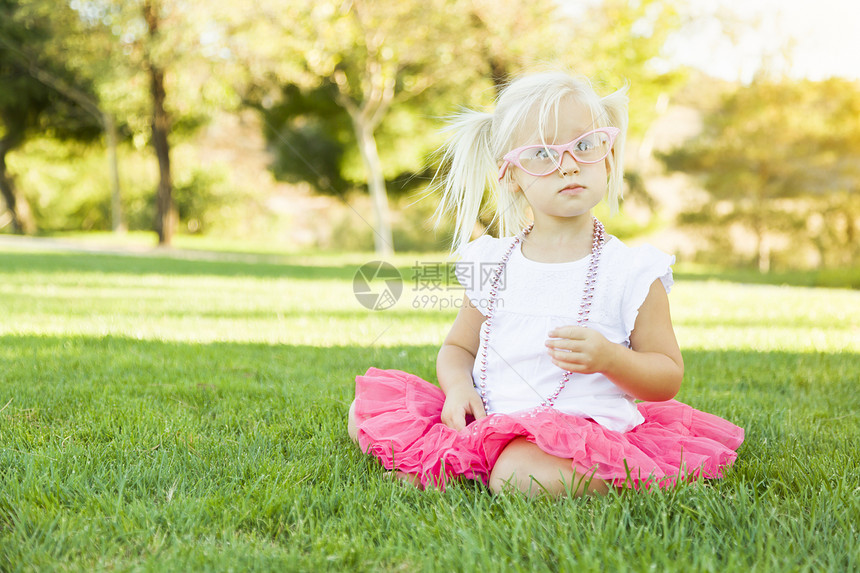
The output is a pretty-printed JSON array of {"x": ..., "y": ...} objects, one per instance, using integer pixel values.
[
  {"x": 352, "y": 423},
  {"x": 524, "y": 467}
]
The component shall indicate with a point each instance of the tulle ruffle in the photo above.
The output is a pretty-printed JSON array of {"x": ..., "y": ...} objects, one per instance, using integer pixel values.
[{"x": 398, "y": 417}]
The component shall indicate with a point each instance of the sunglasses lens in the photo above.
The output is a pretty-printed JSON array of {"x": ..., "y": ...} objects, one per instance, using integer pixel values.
[
  {"x": 539, "y": 160},
  {"x": 593, "y": 147}
]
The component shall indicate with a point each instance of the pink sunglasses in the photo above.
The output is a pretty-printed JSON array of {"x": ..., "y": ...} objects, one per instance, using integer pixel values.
[{"x": 540, "y": 160}]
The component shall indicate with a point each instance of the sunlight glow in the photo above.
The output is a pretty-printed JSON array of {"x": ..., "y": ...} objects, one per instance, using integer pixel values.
[{"x": 735, "y": 40}]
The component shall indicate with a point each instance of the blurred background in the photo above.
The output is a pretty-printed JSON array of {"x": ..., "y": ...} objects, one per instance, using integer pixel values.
[{"x": 312, "y": 125}]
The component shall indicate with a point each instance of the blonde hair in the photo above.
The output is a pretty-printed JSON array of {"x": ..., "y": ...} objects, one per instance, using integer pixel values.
[{"x": 479, "y": 140}]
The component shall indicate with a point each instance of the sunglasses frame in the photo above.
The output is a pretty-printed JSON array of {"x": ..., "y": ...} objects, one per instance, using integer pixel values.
[{"x": 512, "y": 157}]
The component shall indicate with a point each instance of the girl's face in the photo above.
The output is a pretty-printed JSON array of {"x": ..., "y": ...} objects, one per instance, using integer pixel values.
[{"x": 575, "y": 188}]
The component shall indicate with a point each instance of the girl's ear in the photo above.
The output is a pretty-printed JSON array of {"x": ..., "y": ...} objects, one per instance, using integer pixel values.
[{"x": 509, "y": 180}]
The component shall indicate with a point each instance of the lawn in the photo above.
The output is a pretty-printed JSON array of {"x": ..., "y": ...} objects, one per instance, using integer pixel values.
[{"x": 167, "y": 414}]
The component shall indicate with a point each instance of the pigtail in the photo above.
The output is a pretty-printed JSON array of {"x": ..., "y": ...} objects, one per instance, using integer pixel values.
[
  {"x": 471, "y": 168},
  {"x": 615, "y": 108}
]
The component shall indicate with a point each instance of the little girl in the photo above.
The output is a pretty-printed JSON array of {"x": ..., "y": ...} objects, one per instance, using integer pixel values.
[{"x": 550, "y": 351}]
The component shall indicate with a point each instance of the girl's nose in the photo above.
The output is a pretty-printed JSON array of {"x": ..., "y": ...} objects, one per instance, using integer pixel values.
[{"x": 568, "y": 164}]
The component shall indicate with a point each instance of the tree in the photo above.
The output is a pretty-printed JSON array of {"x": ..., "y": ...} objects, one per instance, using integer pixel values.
[
  {"x": 40, "y": 92},
  {"x": 611, "y": 41},
  {"x": 156, "y": 44},
  {"x": 361, "y": 54},
  {"x": 619, "y": 40},
  {"x": 166, "y": 217},
  {"x": 769, "y": 152},
  {"x": 500, "y": 40},
  {"x": 81, "y": 45},
  {"x": 27, "y": 59}
]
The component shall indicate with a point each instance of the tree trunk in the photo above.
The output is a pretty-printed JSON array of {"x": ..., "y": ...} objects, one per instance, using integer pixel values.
[
  {"x": 382, "y": 237},
  {"x": 22, "y": 218},
  {"x": 762, "y": 245},
  {"x": 117, "y": 224},
  {"x": 166, "y": 217},
  {"x": 760, "y": 221}
]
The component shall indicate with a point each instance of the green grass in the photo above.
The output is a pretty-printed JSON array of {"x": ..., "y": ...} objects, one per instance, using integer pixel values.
[{"x": 165, "y": 414}]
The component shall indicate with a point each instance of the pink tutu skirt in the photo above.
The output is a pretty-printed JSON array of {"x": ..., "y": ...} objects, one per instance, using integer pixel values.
[{"x": 398, "y": 416}]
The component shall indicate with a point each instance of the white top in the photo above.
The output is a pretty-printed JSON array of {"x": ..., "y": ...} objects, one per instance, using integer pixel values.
[{"x": 533, "y": 298}]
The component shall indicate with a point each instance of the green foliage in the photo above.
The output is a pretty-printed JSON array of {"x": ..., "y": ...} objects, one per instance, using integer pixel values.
[
  {"x": 308, "y": 132},
  {"x": 30, "y": 70},
  {"x": 781, "y": 158},
  {"x": 28, "y": 105},
  {"x": 172, "y": 414},
  {"x": 313, "y": 141},
  {"x": 116, "y": 44},
  {"x": 312, "y": 113},
  {"x": 74, "y": 189},
  {"x": 66, "y": 184},
  {"x": 202, "y": 196},
  {"x": 621, "y": 41}
]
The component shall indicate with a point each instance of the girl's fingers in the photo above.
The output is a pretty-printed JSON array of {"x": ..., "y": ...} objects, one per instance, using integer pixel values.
[
  {"x": 478, "y": 409},
  {"x": 572, "y": 332},
  {"x": 456, "y": 421},
  {"x": 562, "y": 344},
  {"x": 567, "y": 354},
  {"x": 568, "y": 360}
]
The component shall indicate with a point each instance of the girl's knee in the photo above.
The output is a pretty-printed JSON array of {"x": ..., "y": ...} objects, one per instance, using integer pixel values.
[
  {"x": 524, "y": 467},
  {"x": 512, "y": 471}
]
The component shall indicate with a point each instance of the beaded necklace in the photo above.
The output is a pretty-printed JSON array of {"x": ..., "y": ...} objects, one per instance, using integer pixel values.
[{"x": 597, "y": 242}]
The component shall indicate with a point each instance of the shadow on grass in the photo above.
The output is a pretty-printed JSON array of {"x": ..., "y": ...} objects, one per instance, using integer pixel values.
[
  {"x": 848, "y": 278},
  {"x": 143, "y": 265},
  {"x": 118, "y": 264},
  {"x": 146, "y": 265}
]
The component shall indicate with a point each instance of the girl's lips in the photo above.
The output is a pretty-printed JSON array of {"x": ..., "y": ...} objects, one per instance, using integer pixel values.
[{"x": 572, "y": 190}]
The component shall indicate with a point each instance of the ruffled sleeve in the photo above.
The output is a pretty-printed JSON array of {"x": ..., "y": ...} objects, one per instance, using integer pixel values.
[
  {"x": 646, "y": 264},
  {"x": 471, "y": 269}
]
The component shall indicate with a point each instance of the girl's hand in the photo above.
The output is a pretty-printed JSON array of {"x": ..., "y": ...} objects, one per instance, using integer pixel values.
[
  {"x": 651, "y": 369},
  {"x": 579, "y": 349},
  {"x": 459, "y": 402}
]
